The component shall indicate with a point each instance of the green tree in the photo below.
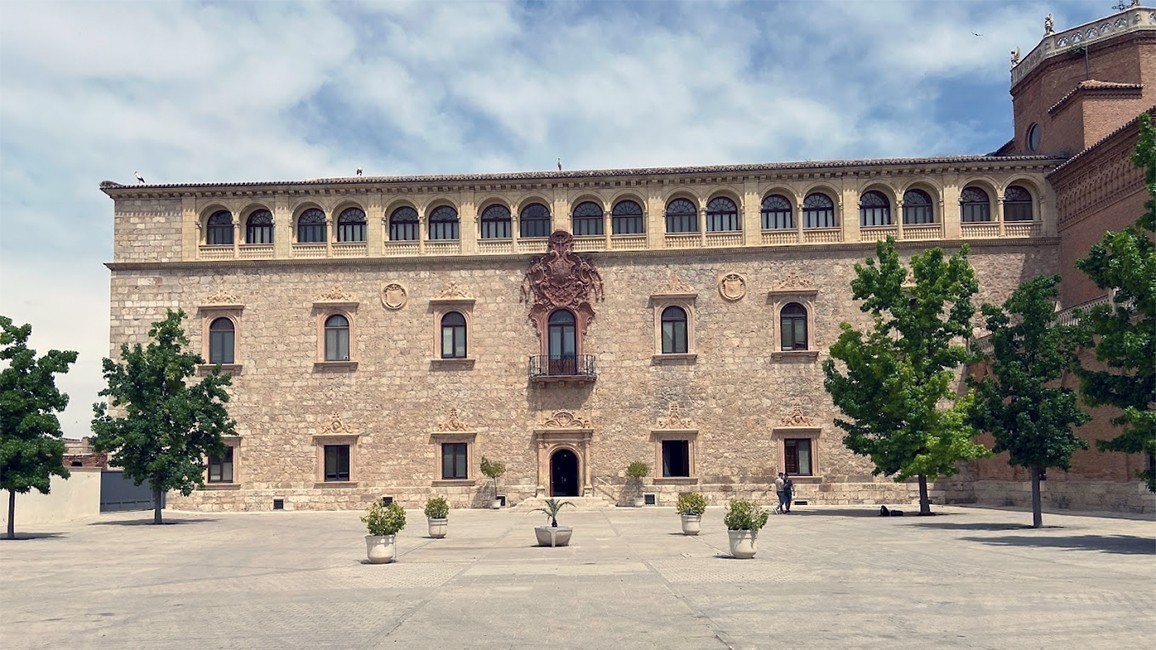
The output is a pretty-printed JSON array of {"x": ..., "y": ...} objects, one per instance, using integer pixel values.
[
  {"x": 1021, "y": 402},
  {"x": 169, "y": 425},
  {"x": 1123, "y": 333},
  {"x": 31, "y": 451},
  {"x": 899, "y": 374}
]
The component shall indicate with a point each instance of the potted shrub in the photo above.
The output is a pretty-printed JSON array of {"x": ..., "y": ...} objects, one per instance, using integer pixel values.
[
  {"x": 635, "y": 472},
  {"x": 383, "y": 523},
  {"x": 691, "y": 505},
  {"x": 743, "y": 520},
  {"x": 437, "y": 510},
  {"x": 493, "y": 470},
  {"x": 553, "y": 535}
]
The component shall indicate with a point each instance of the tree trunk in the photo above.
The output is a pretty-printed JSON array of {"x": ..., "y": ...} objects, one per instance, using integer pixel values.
[
  {"x": 924, "y": 501},
  {"x": 1037, "y": 514},
  {"x": 157, "y": 505},
  {"x": 11, "y": 514}
]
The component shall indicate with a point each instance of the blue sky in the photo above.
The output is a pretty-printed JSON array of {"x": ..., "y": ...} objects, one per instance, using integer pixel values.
[{"x": 239, "y": 91}]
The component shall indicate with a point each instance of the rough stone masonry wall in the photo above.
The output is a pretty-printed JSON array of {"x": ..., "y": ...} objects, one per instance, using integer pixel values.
[{"x": 734, "y": 392}]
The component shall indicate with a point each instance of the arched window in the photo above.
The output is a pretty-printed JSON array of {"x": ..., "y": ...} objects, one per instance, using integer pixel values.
[
  {"x": 311, "y": 227},
  {"x": 562, "y": 343},
  {"x": 337, "y": 338},
  {"x": 818, "y": 211},
  {"x": 681, "y": 216},
  {"x": 587, "y": 219},
  {"x": 259, "y": 227},
  {"x": 874, "y": 209},
  {"x": 221, "y": 340},
  {"x": 674, "y": 339},
  {"x": 495, "y": 222},
  {"x": 776, "y": 213},
  {"x": 626, "y": 219},
  {"x": 443, "y": 223},
  {"x": 722, "y": 215},
  {"x": 453, "y": 336},
  {"x": 403, "y": 224},
  {"x": 974, "y": 205},
  {"x": 1017, "y": 204},
  {"x": 351, "y": 225},
  {"x": 535, "y": 221},
  {"x": 917, "y": 207},
  {"x": 219, "y": 231},
  {"x": 793, "y": 327}
]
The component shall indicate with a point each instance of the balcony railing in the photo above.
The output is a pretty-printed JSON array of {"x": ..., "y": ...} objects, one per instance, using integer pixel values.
[{"x": 580, "y": 367}]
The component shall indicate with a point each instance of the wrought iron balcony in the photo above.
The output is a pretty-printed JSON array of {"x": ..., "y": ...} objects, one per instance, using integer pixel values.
[{"x": 548, "y": 368}]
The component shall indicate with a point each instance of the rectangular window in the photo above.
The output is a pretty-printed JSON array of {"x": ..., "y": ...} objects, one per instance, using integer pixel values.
[
  {"x": 221, "y": 467},
  {"x": 454, "y": 465},
  {"x": 674, "y": 340},
  {"x": 588, "y": 225},
  {"x": 336, "y": 462},
  {"x": 676, "y": 458},
  {"x": 797, "y": 453},
  {"x": 627, "y": 224},
  {"x": 495, "y": 229}
]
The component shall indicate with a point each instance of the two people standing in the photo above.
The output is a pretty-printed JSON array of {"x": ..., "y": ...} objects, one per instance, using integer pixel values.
[{"x": 785, "y": 489}]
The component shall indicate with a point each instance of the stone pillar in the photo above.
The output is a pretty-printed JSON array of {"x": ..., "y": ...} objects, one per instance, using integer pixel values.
[
  {"x": 949, "y": 210},
  {"x": 654, "y": 212},
  {"x": 752, "y": 202},
  {"x": 849, "y": 214},
  {"x": 190, "y": 229},
  {"x": 282, "y": 227},
  {"x": 374, "y": 228},
  {"x": 468, "y": 222}
]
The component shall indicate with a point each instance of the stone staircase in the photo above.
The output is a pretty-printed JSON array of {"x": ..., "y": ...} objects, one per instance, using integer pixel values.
[{"x": 584, "y": 504}]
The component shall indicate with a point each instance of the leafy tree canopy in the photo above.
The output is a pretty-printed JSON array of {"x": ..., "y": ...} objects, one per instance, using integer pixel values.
[
  {"x": 1123, "y": 333},
  {"x": 166, "y": 425},
  {"x": 899, "y": 374},
  {"x": 31, "y": 451}
]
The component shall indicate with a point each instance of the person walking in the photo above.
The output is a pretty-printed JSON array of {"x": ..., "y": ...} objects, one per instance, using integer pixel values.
[
  {"x": 780, "y": 487},
  {"x": 788, "y": 493}
]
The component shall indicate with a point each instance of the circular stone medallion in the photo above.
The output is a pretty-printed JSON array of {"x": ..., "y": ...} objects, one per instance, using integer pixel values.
[
  {"x": 732, "y": 286},
  {"x": 393, "y": 296}
]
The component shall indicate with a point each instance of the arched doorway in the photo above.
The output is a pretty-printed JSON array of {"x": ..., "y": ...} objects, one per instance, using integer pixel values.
[{"x": 564, "y": 474}]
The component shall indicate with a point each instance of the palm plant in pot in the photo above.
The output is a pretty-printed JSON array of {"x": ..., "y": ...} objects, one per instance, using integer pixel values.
[
  {"x": 553, "y": 535},
  {"x": 635, "y": 472},
  {"x": 691, "y": 505},
  {"x": 493, "y": 470},
  {"x": 743, "y": 521},
  {"x": 383, "y": 523},
  {"x": 437, "y": 511}
]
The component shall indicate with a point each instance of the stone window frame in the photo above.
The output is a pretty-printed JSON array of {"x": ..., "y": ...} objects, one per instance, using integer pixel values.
[
  {"x": 686, "y": 301},
  {"x": 437, "y": 439},
  {"x": 234, "y": 443},
  {"x": 658, "y": 436},
  {"x": 439, "y": 307},
  {"x": 320, "y": 441},
  {"x": 780, "y": 298},
  {"x": 779, "y": 436},
  {"x": 208, "y": 314},
  {"x": 322, "y": 311}
]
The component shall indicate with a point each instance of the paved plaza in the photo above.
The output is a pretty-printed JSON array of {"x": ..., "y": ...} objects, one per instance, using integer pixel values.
[{"x": 824, "y": 577}]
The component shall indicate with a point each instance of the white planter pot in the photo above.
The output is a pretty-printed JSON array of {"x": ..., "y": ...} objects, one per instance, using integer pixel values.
[
  {"x": 496, "y": 504},
  {"x": 553, "y": 536},
  {"x": 437, "y": 527},
  {"x": 691, "y": 524},
  {"x": 381, "y": 549},
  {"x": 639, "y": 502},
  {"x": 743, "y": 544}
]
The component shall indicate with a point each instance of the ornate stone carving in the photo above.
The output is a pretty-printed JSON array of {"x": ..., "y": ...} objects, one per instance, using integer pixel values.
[
  {"x": 453, "y": 422},
  {"x": 561, "y": 279},
  {"x": 394, "y": 296},
  {"x": 452, "y": 291},
  {"x": 797, "y": 419},
  {"x": 337, "y": 294},
  {"x": 335, "y": 426},
  {"x": 222, "y": 297},
  {"x": 566, "y": 420},
  {"x": 674, "y": 419},
  {"x": 1015, "y": 57},
  {"x": 674, "y": 286},
  {"x": 792, "y": 280},
  {"x": 1049, "y": 25},
  {"x": 732, "y": 286}
]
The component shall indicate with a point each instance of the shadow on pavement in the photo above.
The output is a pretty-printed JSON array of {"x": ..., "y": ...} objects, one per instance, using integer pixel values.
[
  {"x": 831, "y": 512},
  {"x": 1123, "y": 544},
  {"x": 23, "y": 536},
  {"x": 976, "y": 526},
  {"x": 149, "y": 522}
]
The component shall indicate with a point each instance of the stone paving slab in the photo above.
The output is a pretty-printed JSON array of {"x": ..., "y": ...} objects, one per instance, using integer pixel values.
[{"x": 823, "y": 577}]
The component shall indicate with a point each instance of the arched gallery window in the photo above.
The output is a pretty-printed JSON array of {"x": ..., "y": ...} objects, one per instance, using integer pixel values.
[{"x": 219, "y": 229}]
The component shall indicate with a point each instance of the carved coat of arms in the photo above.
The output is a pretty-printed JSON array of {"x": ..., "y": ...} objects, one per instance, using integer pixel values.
[{"x": 561, "y": 279}]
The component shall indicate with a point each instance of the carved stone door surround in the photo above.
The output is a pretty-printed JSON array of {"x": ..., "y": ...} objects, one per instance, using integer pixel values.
[{"x": 563, "y": 430}]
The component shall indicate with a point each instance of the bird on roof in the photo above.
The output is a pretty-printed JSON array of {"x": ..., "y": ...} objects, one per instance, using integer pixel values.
[
  {"x": 359, "y": 171},
  {"x": 139, "y": 177},
  {"x": 559, "y": 164}
]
